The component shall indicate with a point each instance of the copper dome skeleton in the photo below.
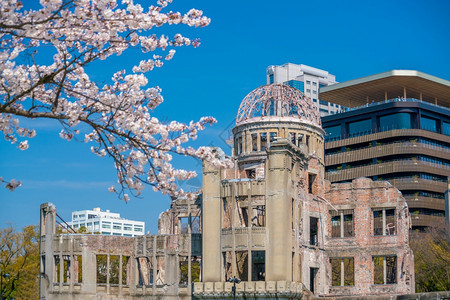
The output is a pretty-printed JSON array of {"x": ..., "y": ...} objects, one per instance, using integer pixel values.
[{"x": 278, "y": 100}]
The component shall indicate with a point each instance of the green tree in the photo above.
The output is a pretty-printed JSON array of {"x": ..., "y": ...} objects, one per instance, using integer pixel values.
[
  {"x": 431, "y": 260},
  {"x": 19, "y": 257}
]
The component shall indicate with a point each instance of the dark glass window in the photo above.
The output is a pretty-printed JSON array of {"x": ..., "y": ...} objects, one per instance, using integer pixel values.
[
  {"x": 299, "y": 85},
  {"x": 446, "y": 128},
  {"x": 428, "y": 124},
  {"x": 395, "y": 121},
  {"x": 358, "y": 128},
  {"x": 333, "y": 133}
]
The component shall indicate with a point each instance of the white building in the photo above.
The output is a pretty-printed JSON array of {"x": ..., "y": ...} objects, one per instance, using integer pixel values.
[
  {"x": 306, "y": 79},
  {"x": 106, "y": 222}
]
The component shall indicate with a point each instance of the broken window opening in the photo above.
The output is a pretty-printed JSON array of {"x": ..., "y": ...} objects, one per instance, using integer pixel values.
[
  {"x": 195, "y": 224},
  {"x": 78, "y": 268},
  {"x": 311, "y": 179},
  {"x": 242, "y": 265},
  {"x": 384, "y": 221},
  {"x": 240, "y": 145},
  {"x": 57, "y": 271},
  {"x": 384, "y": 269},
  {"x": 299, "y": 139},
  {"x": 307, "y": 141},
  {"x": 114, "y": 261},
  {"x": 263, "y": 141},
  {"x": 245, "y": 216},
  {"x": 125, "y": 268},
  {"x": 313, "y": 229},
  {"x": 342, "y": 223},
  {"x": 160, "y": 270},
  {"x": 184, "y": 270},
  {"x": 102, "y": 269},
  {"x": 227, "y": 265},
  {"x": 66, "y": 268},
  {"x": 273, "y": 137},
  {"x": 292, "y": 138},
  {"x": 335, "y": 226},
  {"x": 259, "y": 216},
  {"x": 184, "y": 225},
  {"x": 242, "y": 211},
  {"x": 254, "y": 142},
  {"x": 42, "y": 264},
  {"x": 312, "y": 279},
  {"x": 258, "y": 265},
  {"x": 251, "y": 173},
  {"x": 145, "y": 271},
  {"x": 195, "y": 269},
  {"x": 342, "y": 271},
  {"x": 226, "y": 210}
]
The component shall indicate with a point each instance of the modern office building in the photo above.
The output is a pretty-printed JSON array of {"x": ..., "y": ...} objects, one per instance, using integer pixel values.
[
  {"x": 397, "y": 129},
  {"x": 106, "y": 223},
  {"x": 306, "y": 79}
]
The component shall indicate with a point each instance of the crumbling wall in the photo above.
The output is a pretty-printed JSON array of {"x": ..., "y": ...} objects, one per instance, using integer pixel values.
[
  {"x": 383, "y": 261},
  {"x": 86, "y": 266}
]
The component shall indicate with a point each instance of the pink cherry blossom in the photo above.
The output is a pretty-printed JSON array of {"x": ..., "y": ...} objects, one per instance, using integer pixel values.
[{"x": 119, "y": 114}]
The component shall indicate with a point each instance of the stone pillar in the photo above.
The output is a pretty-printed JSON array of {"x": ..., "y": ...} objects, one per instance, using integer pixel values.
[
  {"x": 89, "y": 270},
  {"x": 278, "y": 212},
  {"x": 47, "y": 230},
  {"x": 211, "y": 217}
]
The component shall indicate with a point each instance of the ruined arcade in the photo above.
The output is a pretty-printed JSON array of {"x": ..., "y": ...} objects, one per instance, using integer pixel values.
[{"x": 272, "y": 221}]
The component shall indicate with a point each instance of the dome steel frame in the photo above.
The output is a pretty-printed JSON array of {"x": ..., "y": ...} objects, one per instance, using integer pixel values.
[{"x": 278, "y": 101}]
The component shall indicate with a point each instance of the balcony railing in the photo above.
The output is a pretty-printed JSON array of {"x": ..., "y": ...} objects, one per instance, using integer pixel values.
[
  {"x": 395, "y": 100},
  {"x": 385, "y": 150},
  {"x": 388, "y": 167}
]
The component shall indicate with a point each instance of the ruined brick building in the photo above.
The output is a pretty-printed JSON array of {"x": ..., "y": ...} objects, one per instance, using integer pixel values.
[{"x": 272, "y": 221}]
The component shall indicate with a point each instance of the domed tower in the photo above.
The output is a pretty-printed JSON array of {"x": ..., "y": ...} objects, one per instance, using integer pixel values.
[
  {"x": 274, "y": 112},
  {"x": 261, "y": 217}
]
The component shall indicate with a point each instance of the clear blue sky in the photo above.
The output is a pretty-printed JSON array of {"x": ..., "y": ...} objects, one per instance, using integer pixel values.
[{"x": 350, "y": 39}]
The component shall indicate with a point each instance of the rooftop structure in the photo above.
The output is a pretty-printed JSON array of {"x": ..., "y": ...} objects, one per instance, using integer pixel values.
[
  {"x": 307, "y": 80},
  {"x": 106, "y": 223},
  {"x": 389, "y": 85},
  {"x": 404, "y": 139}
]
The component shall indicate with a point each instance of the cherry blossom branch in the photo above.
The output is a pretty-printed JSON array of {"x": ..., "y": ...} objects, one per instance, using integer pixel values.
[{"x": 120, "y": 113}]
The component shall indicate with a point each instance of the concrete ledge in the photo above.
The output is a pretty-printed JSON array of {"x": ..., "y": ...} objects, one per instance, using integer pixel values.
[
  {"x": 260, "y": 286},
  {"x": 209, "y": 287},
  {"x": 198, "y": 287},
  {"x": 228, "y": 286},
  {"x": 271, "y": 286},
  {"x": 250, "y": 287},
  {"x": 218, "y": 287}
]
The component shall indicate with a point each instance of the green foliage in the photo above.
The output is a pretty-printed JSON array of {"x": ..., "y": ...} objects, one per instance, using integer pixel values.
[
  {"x": 19, "y": 257},
  {"x": 82, "y": 229},
  {"x": 195, "y": 271},
  {"x": 431, "y": 260}
]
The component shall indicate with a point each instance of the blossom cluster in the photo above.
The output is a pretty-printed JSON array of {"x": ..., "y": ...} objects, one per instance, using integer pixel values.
[{"x": 119, "y": 114}]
